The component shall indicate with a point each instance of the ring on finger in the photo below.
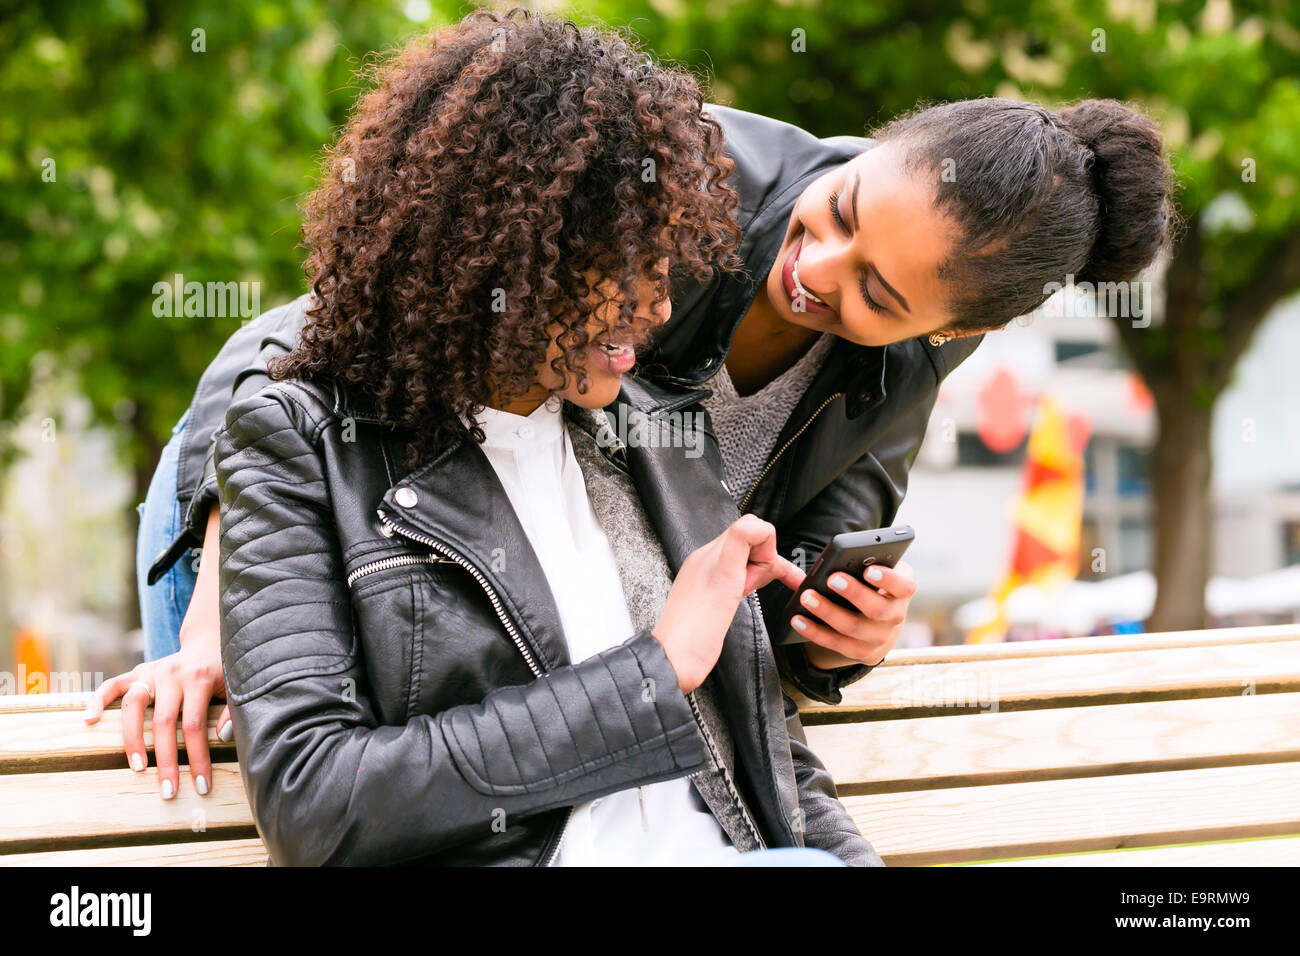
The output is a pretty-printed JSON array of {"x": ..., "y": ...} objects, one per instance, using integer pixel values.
[{"x": 147, "y": 689}]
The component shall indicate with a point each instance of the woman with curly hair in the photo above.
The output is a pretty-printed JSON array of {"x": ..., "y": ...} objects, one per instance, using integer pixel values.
[
  {"x": 872, "y": 266},
  {"x": 452, "y": 631}
]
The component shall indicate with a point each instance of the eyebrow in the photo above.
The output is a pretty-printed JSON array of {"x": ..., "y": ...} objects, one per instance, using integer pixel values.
[{"x": 853, "y": 208}]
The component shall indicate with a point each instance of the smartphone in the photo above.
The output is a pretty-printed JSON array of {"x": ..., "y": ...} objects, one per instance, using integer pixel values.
[{"x": 851, "y": 552}]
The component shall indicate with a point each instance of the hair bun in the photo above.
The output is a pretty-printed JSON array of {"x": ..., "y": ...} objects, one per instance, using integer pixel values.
[{"x": 1133, "y": 182}]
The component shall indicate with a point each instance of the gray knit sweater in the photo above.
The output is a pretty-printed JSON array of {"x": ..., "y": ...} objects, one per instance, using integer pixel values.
[{"x": 747, "y": 427}]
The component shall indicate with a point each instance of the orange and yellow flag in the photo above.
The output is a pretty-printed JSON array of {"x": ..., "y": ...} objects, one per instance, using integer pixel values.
[{"x": 1047, "y": 515}]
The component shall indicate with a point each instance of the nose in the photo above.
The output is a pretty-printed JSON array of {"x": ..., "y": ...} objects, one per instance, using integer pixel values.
[
  {"x": 658, "y": 319},
  {"x": 663, "y": 312},
  {"x": 658, "y": 313},
  {"x": 649, "y": 317}
]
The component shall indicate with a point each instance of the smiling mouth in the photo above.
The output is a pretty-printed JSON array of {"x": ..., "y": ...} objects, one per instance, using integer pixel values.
[
  {"x": 800, "y": 297},
  {"x": 615, "y": 356},
  {"x": 799, "y": 289}
]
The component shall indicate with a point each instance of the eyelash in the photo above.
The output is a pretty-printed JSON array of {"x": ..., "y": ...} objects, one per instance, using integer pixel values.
[{"x": 862, "y": 280}]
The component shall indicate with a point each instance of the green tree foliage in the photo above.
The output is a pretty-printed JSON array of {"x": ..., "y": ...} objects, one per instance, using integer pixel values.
[{"x": 145, "y": 139}]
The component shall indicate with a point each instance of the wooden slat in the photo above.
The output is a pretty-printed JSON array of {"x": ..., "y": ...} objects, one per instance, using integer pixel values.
[
  {"x": 26, "y": 703},
  {"x": 1067, "y": 646},
  {"x": 919, "y": 827},
  {"x": 928, "y": 752},
  {"x": 19, "y": 703},
  {"x": 1087, "y": 679},
  {"x": 45, "y": 811},
  {"x": 1279, "y": 851},
  {"x": 50, "y": 740},
  {"x": 206, "y": 853}
]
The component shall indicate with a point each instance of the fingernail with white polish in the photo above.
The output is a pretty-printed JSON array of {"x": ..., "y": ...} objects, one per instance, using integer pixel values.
[
  {"x": 810, "y": 599},
  {"x": 798, "y": 624},
  {"x": 874, "y": 574},
  {"x": 838, "y": 583},
  {"x": 227, "y": 731},
  {"x": 201, "y": 785},
  {"x": 137, "y": 762},
  {"x": 168, "y": 791}
]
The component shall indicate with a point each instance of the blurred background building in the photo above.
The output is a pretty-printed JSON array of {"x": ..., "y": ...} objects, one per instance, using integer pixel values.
[{"x": 961, "y": 491}]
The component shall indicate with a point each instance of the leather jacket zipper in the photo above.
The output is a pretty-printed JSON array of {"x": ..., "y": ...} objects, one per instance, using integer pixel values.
[
  {"x": 396, "y": 562},
  {"x": 640, "y": 791},
  {"x": 772, "y": 461},
  {"x": 758, "y": 609},
  {"x": 555, "y": 850},
  {"x": 449, "y": 555},
  {"x": 726, "y": 777}
]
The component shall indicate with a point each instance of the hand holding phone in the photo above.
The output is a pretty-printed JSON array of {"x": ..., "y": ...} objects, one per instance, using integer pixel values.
[{"x": 851, "y": 553}]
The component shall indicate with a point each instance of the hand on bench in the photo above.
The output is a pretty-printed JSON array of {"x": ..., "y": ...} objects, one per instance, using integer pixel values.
[{"x": 179, "y": 685}]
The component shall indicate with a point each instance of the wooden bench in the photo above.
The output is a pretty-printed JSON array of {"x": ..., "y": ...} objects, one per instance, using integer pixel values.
[{"x": 1162, "y": 749}]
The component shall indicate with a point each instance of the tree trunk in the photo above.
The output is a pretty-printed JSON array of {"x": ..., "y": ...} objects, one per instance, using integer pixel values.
[{"x": 1180, "y": 469}]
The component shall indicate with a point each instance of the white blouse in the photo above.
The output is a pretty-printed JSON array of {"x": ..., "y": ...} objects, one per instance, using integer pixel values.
[{"x": 660, "y": 824}]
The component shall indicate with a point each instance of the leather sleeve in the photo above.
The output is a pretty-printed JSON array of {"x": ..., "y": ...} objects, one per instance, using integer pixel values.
[
  {"x": 327, "y": 784},
  {"x": 826, "y": 822},
  {"x": 865, "y": 496}
]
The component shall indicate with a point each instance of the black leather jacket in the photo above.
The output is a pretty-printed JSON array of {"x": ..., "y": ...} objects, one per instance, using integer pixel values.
[
  {"x": 840, "y": 463},
  {"x": 397, "y": 699}
]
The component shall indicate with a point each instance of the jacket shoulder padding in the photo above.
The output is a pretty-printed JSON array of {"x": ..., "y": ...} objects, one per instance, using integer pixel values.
[{"x": 267, "y": 460}]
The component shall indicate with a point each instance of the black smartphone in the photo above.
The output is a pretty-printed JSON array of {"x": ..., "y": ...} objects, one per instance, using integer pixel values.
[{"x": 851, "y": 552}]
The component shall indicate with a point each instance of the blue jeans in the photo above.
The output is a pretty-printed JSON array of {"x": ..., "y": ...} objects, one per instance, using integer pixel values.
[{"x": 163, "y": 604}]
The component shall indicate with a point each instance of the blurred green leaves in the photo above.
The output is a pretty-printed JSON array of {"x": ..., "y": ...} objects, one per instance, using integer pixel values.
[{"x": 164, "y": 160}]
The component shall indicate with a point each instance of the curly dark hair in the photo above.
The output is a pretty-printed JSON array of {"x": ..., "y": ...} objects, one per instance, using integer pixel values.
[{"x": 494, "y": 163}]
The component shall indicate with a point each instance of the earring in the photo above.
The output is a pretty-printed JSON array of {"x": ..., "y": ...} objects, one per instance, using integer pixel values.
[{"x": 939, "y": 338}]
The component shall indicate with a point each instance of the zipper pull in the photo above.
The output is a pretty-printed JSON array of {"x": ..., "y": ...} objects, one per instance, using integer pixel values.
[{"x": 640, "y": 798}]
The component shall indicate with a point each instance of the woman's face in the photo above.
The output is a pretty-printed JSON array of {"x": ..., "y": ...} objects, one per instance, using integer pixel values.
[
  {"x": 862, "y": 252},
  {"x": 609, "y": 354}
]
